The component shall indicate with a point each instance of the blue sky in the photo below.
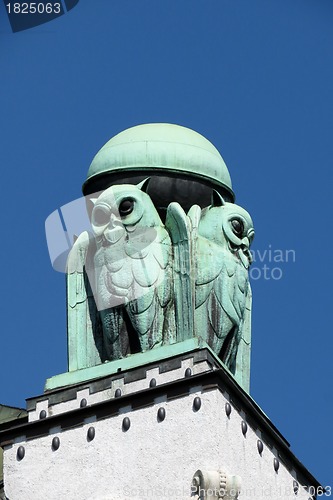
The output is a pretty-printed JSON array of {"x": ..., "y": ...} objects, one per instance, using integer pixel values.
[{"x": 253, "y": 76}]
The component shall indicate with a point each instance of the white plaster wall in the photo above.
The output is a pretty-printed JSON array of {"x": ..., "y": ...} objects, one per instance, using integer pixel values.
[{"x": 152, "y": 460}]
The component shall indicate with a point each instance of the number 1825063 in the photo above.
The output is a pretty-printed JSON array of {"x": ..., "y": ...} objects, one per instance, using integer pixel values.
[{"x": 33, "y": 8}]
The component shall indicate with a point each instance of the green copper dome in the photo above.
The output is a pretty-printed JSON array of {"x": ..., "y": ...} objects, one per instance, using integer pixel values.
[{"x": 158, "y": 149}]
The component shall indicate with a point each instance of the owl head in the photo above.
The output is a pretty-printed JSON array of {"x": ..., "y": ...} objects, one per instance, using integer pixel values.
[
  {"x": 120, "y": 210},
  {"x": 228, "y": 225}
]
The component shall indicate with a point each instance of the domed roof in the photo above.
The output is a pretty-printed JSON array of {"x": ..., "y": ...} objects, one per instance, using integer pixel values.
[{"x": 161, "y": 148}]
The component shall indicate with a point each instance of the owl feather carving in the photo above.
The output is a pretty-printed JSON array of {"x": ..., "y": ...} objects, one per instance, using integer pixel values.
[
  {"x": 131, "y": 267},
  {"x": 128, "y": 263},
  {"x": 222, "y": 290}
]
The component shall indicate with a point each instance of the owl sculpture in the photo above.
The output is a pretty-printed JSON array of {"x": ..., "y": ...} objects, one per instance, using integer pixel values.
[
  {"x": 222, "y": 290},
  {"x": 128, "y": 264},
  {"x": 135, "y": 284}
]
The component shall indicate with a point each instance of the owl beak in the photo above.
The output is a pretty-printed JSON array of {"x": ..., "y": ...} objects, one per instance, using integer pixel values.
[
  {"x": 244, "y": 257},
  {"x": 245, "y": 253},
  {"x": 245, "y": 242},
  {"x": 114, "y": 231},
  {"x": 113, "y": 235},
  {"x": 114, "y": 222}
]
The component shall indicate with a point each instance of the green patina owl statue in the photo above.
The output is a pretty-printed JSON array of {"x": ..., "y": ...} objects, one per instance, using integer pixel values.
[
  {"x": 127, "y": 259},
  {"x": 222, "y": 290},
  {"x": 147, "y": 274}
]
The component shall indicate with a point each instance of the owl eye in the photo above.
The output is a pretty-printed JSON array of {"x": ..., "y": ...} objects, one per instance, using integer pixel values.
[
  {"x": 101, "y": 216},
  {"x": 126, "y": 207},
  {"x": 237, "y": 227}
]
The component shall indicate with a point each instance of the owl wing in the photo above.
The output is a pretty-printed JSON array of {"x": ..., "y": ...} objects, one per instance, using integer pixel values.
[
  {"x": 209, "y": 264},
  {"x": 221, "y": 292},
  {"x": 84, "y": 327},
  {"x": 229, "y": 292},
  {"x": 226, "y": 308},
  {"x": 179, "y": 227},
  {"x": 243, "y": 356},
  {"x": 149, "y": 261}
]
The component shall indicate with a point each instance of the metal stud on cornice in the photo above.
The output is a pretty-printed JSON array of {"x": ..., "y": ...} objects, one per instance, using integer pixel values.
[
  {"x": 117, "y": 394},
  {"x": 42, "y": 414},
  {"x": 188, "y": 372},
  {"x": 276, "y": 464},
  {"x": 161, "y": 414},
  {"x": 83, "y": 403},
  {"x": 196, "y": 403},
  {"x": 91, "y": 433},
  {"x": 244, "y": 428},
  {"x": 152, "y": 383},
  {"x": 126, "y": 424},
  {"x": 295, "y": 486},
  {"x": 228, "y": 409},
  {"x": 55, "y": 443},
  {"x": 20, "y": 452},
  {"x": 260, "y": 446}
]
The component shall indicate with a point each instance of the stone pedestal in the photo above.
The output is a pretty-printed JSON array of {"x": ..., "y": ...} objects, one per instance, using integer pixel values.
[{"x": 178, "y": 428}]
